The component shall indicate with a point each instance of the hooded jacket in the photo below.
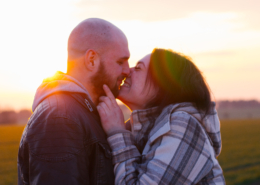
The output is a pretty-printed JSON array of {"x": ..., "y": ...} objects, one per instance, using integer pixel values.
[
  {"x": 63, "y": 141},
  {"x": 177, "y": 147}
]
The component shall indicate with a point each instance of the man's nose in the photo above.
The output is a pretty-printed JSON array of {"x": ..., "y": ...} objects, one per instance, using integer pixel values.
[{"x": 126, "y": 70}]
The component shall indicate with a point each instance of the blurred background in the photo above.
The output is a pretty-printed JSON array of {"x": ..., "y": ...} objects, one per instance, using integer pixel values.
[{"x": 222, "y": 38}]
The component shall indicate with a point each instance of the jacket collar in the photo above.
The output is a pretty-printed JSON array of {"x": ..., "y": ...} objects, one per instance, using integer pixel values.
[{"x": 86, "y": 102}]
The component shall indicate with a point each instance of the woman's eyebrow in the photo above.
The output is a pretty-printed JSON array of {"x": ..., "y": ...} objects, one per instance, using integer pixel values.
[{"x": 140, "y": 62}]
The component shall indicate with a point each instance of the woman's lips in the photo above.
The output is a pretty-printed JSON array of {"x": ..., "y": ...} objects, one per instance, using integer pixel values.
[{"x": 126, "y": 84}]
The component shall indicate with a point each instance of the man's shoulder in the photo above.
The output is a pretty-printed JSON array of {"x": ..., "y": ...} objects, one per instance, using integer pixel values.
[
  {"x": 58, "y": 105},
  {"x": 66, "y": 109}
]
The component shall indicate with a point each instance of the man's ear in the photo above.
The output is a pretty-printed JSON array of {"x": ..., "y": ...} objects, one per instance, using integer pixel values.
[{"x": 91, "y": 59}]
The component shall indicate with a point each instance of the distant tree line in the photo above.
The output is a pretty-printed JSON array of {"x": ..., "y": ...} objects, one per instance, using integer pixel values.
[
  {"x": 238, "y": 104},
  {"x": 240, "y": 109},
  {"x": 225, "y": 110},
  {"x": 10, "y": 116}
]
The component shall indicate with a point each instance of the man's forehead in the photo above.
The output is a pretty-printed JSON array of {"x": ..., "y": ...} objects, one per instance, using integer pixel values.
[
  {"x": 125, "y": 55},
  {"x": 121, "y": 52},
  {"x": 117, "y": 54},
  {"x": 119, "y": 48}
]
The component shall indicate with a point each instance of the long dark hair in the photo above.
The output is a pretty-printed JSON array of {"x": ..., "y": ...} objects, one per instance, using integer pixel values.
[{"x": 178, "y": 79}]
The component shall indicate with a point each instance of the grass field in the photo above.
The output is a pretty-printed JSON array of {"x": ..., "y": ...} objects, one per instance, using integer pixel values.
[
  {"x": 240, "y": 156},
  {"x": 9, "y": 143}
]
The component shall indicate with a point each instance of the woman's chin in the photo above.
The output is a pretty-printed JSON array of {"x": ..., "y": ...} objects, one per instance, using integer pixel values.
[
  {"x": 120, "y": 96},
  {"x": 123, "y": 95}
]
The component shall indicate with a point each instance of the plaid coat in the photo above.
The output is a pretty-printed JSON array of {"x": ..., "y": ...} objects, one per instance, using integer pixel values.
[{"x": 174, "y": 148}]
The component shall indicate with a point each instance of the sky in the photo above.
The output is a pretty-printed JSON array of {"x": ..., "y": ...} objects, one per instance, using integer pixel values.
[{"x": 222, "y": 38}]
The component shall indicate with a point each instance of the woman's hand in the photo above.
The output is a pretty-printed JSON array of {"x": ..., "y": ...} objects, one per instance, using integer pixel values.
[{"x": 111, "y": 115}]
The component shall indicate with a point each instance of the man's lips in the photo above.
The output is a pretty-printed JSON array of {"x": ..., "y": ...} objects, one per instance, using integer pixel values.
[{"x": 120, "y": 82}]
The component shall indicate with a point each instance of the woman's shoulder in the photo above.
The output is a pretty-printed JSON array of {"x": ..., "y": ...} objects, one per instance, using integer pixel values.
[
  {"x": 180, "y": 112},
  {"x": 180, "y": 118},
  {"x": 183, "y": 122},
  {"x": 187, "y": 119},
  {"x": 174, "y": 118}
]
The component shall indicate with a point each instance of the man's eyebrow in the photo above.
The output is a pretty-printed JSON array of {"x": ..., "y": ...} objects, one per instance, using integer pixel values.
[{"x": 124, "y": 58}]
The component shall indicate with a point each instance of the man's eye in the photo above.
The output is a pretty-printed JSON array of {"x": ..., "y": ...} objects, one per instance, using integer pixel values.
[{"x": 120, "y": 62}]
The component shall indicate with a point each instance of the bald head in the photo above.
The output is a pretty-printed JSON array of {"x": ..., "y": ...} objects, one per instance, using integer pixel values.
[{"x": 93, "y": 33}]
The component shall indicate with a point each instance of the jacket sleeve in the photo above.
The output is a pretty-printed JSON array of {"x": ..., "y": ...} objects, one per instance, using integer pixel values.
[
  {"x": 176, "y": 157},
  {"x": 56, "y": 151}
]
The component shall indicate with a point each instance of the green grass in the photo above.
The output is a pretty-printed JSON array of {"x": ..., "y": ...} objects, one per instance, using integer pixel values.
[
  {"x": 239, "y": 159},
  {"x": 240, "y": 155},
  {"x": 9, "y": 143}
]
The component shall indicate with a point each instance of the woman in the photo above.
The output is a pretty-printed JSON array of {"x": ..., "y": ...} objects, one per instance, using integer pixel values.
[{"x": 175, "y": 131}]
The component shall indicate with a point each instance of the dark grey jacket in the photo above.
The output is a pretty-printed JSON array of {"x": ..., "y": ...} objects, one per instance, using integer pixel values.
[{"x": 64, "y": 143}]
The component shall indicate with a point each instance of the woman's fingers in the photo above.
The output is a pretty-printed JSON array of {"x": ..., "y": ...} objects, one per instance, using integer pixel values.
[
  {"x": 107, "y": 101},
  {"x": 101, "y": 111},
  {"x": 104, "y": 108},
  {"x": 109, "y": 94},
  {"x": 110, "y": 113}
]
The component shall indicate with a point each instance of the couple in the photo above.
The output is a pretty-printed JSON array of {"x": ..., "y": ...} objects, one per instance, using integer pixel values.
[{"x": 77, "y": 133}]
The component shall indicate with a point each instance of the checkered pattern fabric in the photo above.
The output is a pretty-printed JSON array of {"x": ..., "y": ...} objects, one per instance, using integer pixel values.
[{"x": 177, "y": 147}]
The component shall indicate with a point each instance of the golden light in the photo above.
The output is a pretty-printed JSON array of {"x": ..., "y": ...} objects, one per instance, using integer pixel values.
[{"x": 34, "y": 44}]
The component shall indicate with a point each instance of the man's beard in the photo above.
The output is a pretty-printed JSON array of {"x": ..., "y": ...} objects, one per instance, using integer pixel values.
[{"x": 101, "y": 78}]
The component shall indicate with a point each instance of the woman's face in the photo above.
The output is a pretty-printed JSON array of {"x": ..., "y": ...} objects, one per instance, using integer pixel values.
[{"x": 136, "y": 91}]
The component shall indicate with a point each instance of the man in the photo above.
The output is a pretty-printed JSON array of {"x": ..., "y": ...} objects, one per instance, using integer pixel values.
[{"x": 63, "y": 142}]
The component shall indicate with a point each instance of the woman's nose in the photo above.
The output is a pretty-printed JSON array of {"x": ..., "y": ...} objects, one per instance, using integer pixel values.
[{"x": 131, "y": 71}]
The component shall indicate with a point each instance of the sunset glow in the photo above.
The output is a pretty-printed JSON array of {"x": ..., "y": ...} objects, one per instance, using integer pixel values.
[{"x": 223, "y": 41}]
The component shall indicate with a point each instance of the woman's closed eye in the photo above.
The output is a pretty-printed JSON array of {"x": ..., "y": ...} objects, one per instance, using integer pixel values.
[{"x": 138, "y": 66}]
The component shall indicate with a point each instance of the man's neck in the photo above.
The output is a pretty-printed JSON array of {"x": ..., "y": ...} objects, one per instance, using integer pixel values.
[{"x": 84, "y": 80}]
